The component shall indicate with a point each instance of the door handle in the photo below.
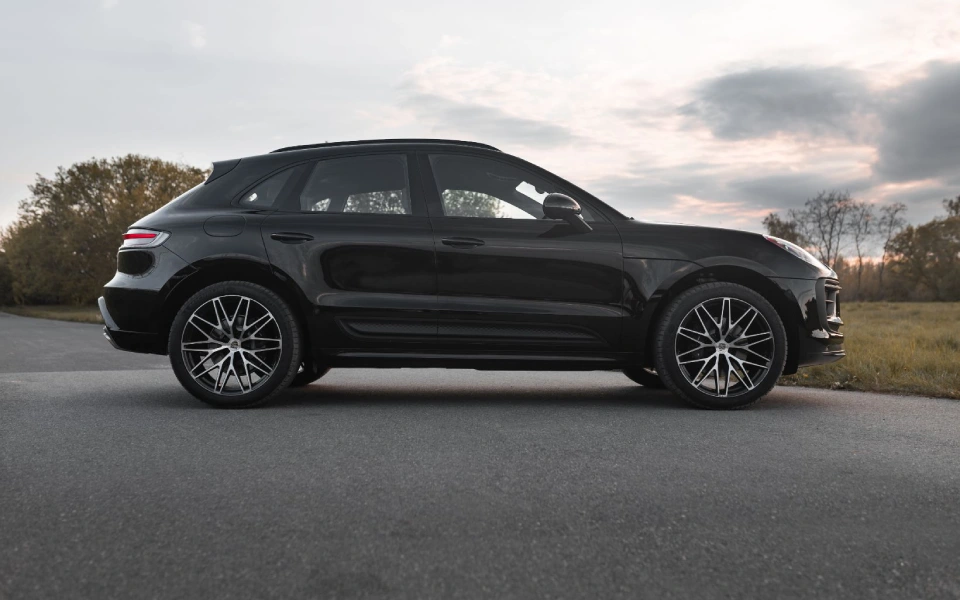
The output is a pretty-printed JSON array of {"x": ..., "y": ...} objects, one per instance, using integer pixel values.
[
  {"x": 291, "y": 237},
  {"x": 462, "y": 242}
]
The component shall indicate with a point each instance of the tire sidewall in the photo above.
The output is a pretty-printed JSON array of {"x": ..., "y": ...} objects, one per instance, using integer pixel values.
[
  {"x": 310, "y": 374},
  {"x": 644, "y": 377},
  {"x": 289, "y": 353},
  {"x": 665, "y": 350}
]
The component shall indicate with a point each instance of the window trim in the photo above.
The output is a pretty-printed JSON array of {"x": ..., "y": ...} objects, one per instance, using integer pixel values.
[
  {"x": 289, "y": 187},
  {"x": 435, "y": 202},
  {"x": 291, "y": 202},
  {"x": 238, "y": 197}
]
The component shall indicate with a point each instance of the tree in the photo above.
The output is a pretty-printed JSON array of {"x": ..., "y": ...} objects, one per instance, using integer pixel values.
[
  {"x": 952, "y": 206},
  {"x": 6, "y": 280},
  {"x": 890, "y": 223},
  {"x": 63, "y": 246},
  {"x": 824, "y": 222},
  {"x": 861, "y": 230},
  {"x": 466, "y": 203},
  {"x": 784, "y": 229},
  {"x": 928, "y": 255}
]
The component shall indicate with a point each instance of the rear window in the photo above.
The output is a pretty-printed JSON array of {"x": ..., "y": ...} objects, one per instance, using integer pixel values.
[
  {"x": 358, "y": 184},
  {"x": 266, "y": 193}
]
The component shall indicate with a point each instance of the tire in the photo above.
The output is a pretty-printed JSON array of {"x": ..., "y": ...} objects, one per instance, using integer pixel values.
[
  {"x": 648, "y": 378},
  {"x": 307, "y": 374},
  {"x": 245, "y": 334},
  {"x": 716, "y": 361}
]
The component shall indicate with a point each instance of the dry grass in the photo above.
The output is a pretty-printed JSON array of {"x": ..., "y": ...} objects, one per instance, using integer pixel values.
[
  {"x": 80, "y": 314},
  {"x": 906, "y": 348}
]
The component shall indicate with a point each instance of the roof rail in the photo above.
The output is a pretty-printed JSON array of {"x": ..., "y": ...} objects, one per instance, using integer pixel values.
[{"x": 388, "y": 141}]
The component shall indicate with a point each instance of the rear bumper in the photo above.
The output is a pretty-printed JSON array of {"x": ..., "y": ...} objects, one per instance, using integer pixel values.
[{"x": 131, "y": 341}]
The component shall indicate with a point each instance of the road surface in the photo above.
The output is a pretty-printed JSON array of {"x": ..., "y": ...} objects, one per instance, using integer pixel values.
[{"x": 459, "y": 484}]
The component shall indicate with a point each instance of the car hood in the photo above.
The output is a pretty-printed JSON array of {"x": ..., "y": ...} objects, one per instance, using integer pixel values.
[{"x": 713, "y": 246}]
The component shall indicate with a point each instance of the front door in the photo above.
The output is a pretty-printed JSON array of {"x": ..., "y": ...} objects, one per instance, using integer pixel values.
[
  {"x": 509, "y": 279},
  {"x": 355, "y": 237}
]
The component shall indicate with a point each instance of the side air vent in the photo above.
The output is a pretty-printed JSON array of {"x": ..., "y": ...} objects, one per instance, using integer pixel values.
[{"x": 831, "y": 291}]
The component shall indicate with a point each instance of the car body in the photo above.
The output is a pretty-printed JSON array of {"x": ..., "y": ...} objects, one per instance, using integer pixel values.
[{"x": 428, "y": 253}]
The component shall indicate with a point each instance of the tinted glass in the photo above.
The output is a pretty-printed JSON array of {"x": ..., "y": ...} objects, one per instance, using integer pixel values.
[
  {"x": 360, "y": 184},
  {"x": 477, "y": 187},
  {"x": 267, "y": 192}
]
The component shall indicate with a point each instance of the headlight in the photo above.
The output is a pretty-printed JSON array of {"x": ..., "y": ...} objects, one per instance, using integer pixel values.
[{"x": 799, "y": 253}]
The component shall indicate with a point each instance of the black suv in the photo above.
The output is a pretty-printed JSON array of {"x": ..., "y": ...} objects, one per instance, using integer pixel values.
[{"x": 438, "y": 253}]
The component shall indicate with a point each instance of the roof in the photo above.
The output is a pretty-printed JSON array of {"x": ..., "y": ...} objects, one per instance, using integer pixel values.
[{"x": 388, "y": 141}]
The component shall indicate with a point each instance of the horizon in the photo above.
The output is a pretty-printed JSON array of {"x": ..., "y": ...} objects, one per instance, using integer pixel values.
[{"x": 767, "y": 108}]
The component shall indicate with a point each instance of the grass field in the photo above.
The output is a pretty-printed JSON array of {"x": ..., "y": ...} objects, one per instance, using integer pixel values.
[
  {"x": 80, "y": 314},
  {"x": 903, "y": 348}
]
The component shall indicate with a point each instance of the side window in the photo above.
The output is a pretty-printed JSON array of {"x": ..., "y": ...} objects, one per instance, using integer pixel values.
[
  {"x": 471, "y": 186},
  {"x": 359, "y": 184},
  {"x": 267, "y": 192}
]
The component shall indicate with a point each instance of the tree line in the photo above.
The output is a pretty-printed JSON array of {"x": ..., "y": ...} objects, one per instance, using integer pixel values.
[
  {"x": 62, "y": 248},
  {"x": 875, "y": 253}
]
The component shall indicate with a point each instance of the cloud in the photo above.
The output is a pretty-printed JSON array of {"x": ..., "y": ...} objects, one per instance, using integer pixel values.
[
  {"x": 196, "y": 34},
  {"x": 476, "y": 121},
  {"x": 108, "y": 4},
  {"x": 447, "y": 40},
  {"x": 731, "y": 196},
  {"x": 908, "y": 132},
  {"x": 789, "y": 190},
  {"x": 921, "y": 127},
  {"x": 799, "y": 101}
]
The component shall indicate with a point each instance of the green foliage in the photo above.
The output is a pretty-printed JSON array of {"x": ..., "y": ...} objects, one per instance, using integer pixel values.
[
  {"x": 465, "y": 203},
  {"x": 6, "y": 280},
  {"x": 62, "y": 248},
  {"x": 953, "y": 206},
  {"x": 928, "y": 256},
  {"x": 785, "y": 229}
]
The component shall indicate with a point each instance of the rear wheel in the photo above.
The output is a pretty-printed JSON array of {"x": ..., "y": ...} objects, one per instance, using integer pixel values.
[
  {"x": 720, "y": 345},
  {"x": 234, "y": 344},
  {"x": 648, "y": 378}
]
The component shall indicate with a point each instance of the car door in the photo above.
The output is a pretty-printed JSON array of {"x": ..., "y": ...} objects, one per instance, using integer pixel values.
[
  {"x": 355, "y": 237},
  {"x": 508, "y": 279}
]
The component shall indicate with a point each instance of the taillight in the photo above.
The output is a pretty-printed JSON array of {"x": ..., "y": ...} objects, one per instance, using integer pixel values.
[{"x": 143, "y": 238}]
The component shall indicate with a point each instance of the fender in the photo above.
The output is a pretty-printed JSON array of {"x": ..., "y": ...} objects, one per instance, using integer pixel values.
[
  {"x": 198, "y": 275},
  {"x": 679, "y": 276}
]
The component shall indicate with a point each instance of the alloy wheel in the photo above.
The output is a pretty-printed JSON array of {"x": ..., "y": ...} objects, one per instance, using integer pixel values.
[
  {"x": 231, "y": 344},
  {"x": 724, "y": 347}
]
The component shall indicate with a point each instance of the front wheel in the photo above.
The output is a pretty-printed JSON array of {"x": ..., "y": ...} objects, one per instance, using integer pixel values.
[
  {"x": 720, "y": 345},
  {"x": 234, "y": 344},
  {"x": 307, "y": 374}
]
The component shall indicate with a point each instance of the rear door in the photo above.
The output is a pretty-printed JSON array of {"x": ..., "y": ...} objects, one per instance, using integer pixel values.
[
  {"x": 355, "y": 237},
  {"x": 510, "y": 280}
]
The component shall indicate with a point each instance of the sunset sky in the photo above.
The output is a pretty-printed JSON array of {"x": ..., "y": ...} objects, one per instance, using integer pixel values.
[{"x": 695, "y": 111}]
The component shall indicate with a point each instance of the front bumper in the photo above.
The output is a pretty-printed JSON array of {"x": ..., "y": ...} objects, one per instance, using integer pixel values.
[
  {"x": 823, "y": 342},
  {"x": 817, "y": 338}
]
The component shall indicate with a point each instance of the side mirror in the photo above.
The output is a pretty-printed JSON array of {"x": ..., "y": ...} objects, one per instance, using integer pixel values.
[{"x": 565, "y": 208}]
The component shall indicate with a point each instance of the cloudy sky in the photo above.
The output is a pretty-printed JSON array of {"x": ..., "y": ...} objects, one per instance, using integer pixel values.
[{"x": 696, "y": 111}]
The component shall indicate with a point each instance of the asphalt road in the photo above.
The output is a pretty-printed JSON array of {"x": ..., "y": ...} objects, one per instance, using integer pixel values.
[{"x": 459, "y": 484}]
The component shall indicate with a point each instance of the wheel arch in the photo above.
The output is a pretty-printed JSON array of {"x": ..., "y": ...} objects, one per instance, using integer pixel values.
[
  {"x": 787, "y": 309},
  {"x": 217, "y": 270}
]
